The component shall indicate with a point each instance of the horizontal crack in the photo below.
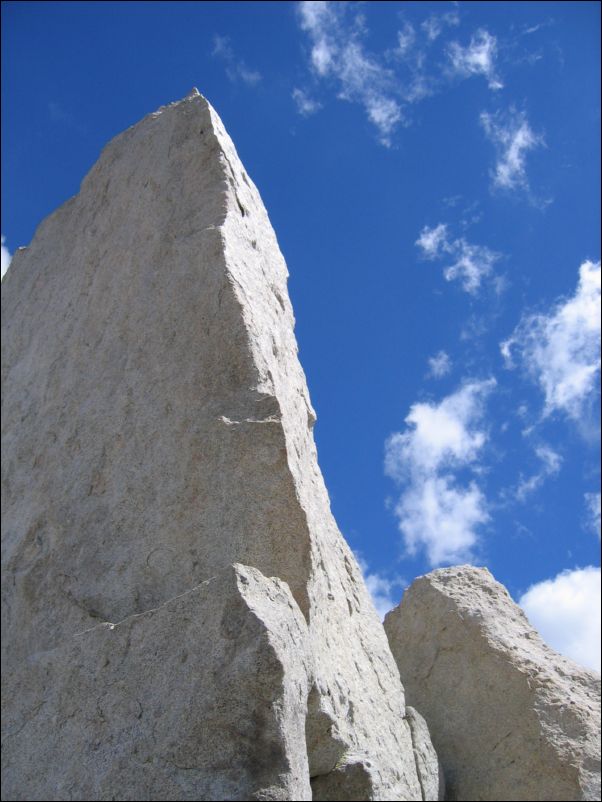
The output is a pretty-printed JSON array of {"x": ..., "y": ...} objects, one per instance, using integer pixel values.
[{"x": 229, "y": 422}]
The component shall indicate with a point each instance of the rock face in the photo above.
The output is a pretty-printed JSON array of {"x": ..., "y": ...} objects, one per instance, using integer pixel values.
[
  {"x": 510, "y": 718},
  {"x": 428, "y": 765},
  {"x": 229, "y": 657},
  {"x": 158, "y": 430}
]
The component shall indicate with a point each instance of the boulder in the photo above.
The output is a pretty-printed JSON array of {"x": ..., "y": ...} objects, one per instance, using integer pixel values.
[
  {"x": 203, "y": 697},
  {"x": 510, "y": 718}
]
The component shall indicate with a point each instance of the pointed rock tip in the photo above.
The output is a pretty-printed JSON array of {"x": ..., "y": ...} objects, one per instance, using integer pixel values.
[{"x": 194, "y": 95}]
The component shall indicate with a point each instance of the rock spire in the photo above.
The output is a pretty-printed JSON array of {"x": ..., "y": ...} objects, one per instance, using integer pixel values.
[{"x": 182, "y": 618}]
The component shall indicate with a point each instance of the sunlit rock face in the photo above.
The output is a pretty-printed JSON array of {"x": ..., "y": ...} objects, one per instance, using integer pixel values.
[
  {"x": 510, "y": 718},
  {"x": 182, "y": 618}
]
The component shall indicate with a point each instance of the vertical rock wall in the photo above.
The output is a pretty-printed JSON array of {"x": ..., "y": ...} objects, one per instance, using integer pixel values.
[{"x": 158, "y": 429}]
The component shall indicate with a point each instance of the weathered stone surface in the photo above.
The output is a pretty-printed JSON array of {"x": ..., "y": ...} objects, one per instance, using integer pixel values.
[
  {"x": 510, "y": 718},
  {"x": 217, "y": 678},
  {"x": 157, "y": 428},
  {"x": 428, "y": 765}
]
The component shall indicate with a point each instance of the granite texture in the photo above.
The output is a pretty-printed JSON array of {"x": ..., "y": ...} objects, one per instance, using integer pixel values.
[
  {"x": 157, "y": 429},
  {"x": 510, "y": 718}
]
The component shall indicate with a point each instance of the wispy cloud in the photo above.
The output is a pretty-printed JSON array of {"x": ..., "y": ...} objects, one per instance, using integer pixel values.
[
  {"x": 439, "y": 365},
  {"x": 435, "y": 511},
  {"x": 415, "y": 77},
  {"x": 561, "y": 350},
  {"x": 406, "y": 39},
  {"x": 235, "y": 67},
  {"x": 527, "y": 30},
  {"x": 477, "y": 58},
  {"x": 385, "y": 591},
  {"x": 6, "y": 257},
  {"x": 338, "y": 54},
  {"x": 513, "y": 138},
  {"x": 592, "y": 501},
  {"x": 434, "y": 241},
  {"x": 306, "y": 105},
  {"x": 435, "y": 24},
  {"x": 386, "y": 83},
  {"x": 473, "y": 263},
  {"x": 470, "y": 263},
  {"x": 550, "y": 464},
  {"x": 566, "y": 611}
]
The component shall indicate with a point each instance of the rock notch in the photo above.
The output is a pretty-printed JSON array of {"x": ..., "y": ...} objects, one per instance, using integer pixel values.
[
  {"x": 158, "y": 467},
  {"x": 510, "y": 718}
]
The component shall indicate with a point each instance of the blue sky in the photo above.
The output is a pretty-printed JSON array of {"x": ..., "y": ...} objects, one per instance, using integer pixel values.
[{"x": 432, "y": 174}]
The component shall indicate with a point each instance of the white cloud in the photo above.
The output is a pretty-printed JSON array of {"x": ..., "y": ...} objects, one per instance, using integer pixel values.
[
  {"x": 566, "y": 611},
  {"x": 385, "y": 591},
  {"x": 522, "y": 410},
  {"x": 550, "y": 458},
  {"x": 337, "y": 53},
  {"x": 551, "y": 462},
  {"x": 512, "y": 137},
  {"x": 561, "y": 350},
  {"x": 434, "y": 510},
  {"x": 6, "y": 257},
  {"x": 387, "y": 82},
  {"x": 440, "y": 434},
  {"x": 443, "y": 518},
  {"x": 592, "y": 501},
  {"x": 477, "y": 58},
  {"x": 472, "y": 263},
  {"x": 405, "y": 39},
  {"x": 236, "y": 69},
  {"x": 440, "y": 365},
  {"x": 433, "y": 241},
  {"x": 414, "y": 81},
  {"x": 433, "y": 26},
  {"x": 306, "y": 105}
]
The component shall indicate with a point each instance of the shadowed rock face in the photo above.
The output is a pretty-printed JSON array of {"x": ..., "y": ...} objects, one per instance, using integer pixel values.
[
  {"x": 157, "y": 430},
  {"x": 510, "y": 718}
]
